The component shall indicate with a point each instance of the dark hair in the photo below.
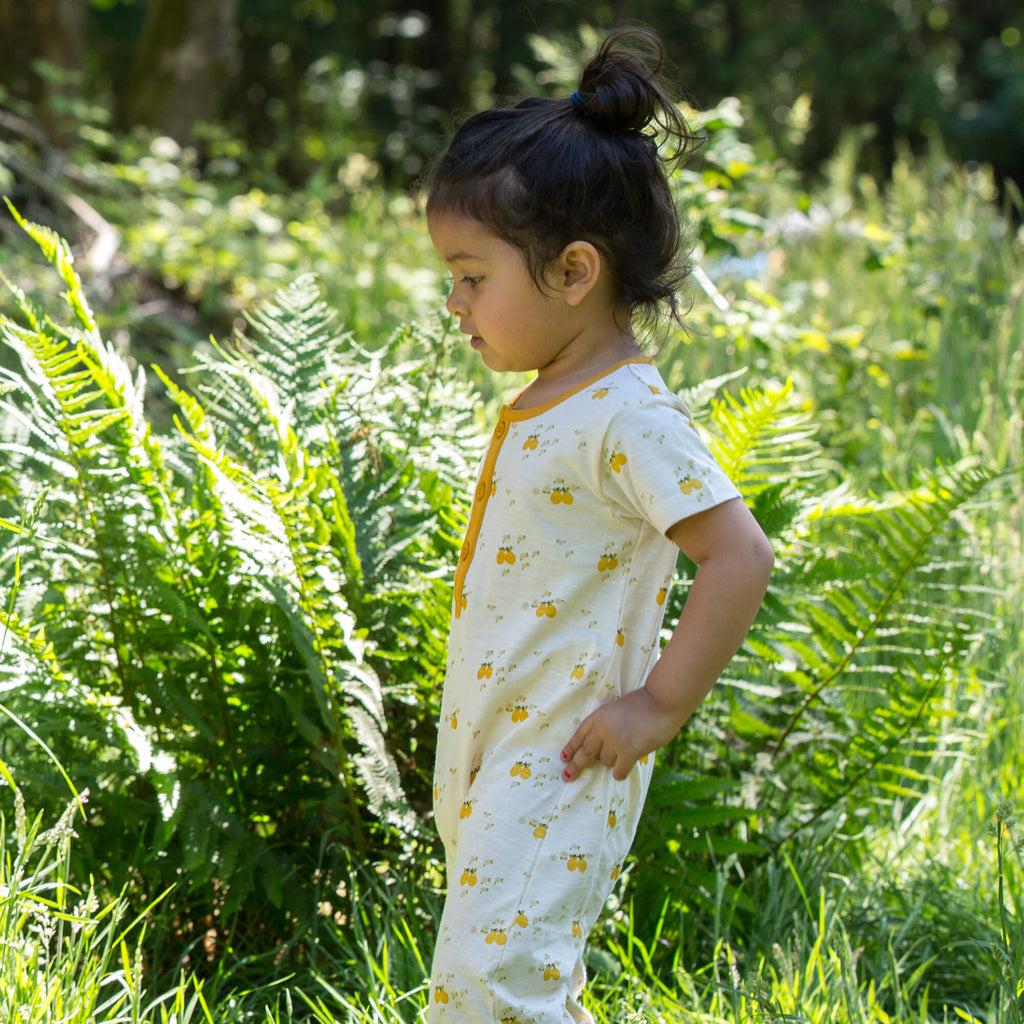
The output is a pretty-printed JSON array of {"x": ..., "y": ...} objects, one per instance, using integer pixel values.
[{"x": 546, "y": 172}]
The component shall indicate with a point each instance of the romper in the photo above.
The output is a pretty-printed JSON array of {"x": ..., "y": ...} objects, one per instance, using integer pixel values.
[{"x": 558, "y": 605}]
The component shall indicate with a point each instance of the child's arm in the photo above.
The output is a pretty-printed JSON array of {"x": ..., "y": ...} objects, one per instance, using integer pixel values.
[{"x": 734, "y": 561}]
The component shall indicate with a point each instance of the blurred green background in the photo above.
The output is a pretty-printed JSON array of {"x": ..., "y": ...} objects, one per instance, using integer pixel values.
[
  {"x": 304, "y": 84},
  {"x": 200, "y": 153}
]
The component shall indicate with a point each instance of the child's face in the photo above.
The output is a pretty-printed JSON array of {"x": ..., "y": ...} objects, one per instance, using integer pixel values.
[{"x": 512, "y": 323}]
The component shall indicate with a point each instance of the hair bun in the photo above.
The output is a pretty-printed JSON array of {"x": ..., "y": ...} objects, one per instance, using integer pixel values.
[{"x": 619, "y": 87}]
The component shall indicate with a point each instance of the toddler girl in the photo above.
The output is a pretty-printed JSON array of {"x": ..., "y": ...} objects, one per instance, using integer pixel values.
[{"x": 557, "y": 224}]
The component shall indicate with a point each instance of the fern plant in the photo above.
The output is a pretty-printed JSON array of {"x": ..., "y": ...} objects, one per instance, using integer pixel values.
[
  {"x": 847, "y": 701},
  {"x": 211, "y": 630}
]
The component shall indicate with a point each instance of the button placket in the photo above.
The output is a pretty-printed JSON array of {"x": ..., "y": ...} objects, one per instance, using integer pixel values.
[{"x": 481, "y": 496}]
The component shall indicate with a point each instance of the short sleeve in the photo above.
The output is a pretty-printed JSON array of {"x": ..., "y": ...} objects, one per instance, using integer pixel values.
[{"x": 655, "y": 464}]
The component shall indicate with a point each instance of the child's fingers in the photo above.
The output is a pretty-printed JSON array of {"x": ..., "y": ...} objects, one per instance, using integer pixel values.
[
  {"x": 587, "y": 745},
  {"x": 576, "y": 755},
  {"x": 583, "y": 748}
]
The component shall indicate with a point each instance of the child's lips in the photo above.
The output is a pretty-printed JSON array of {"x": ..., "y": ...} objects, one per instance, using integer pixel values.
[{"x": 475, "y": 341}]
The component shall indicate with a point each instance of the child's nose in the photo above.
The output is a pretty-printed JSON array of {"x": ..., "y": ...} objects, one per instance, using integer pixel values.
[{"x": 456, "y": 305}]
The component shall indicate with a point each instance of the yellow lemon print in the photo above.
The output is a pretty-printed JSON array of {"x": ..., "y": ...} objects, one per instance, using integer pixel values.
[
  {"x": 551, "y": 972},
  {"x": 608, "y": 562},
  {"x": 613, "y": 819},
  {"x": 577, "y": 672},
  {"x": 509, "y": 1020},
  {"x": 540, "y": 832},
  {"x": 506, "y": 556},
  {"x": 617, "y": 461},
  {"x": 468, "y": 878},
  {"x": 472, "y": 775},
  {"x": 521, "y": 920},
  {"x": 600, "y": 393},
  {"x": 440, "y": 996},
  {"x": 519, "y": 713},
  {"x": 577, "y": 930},
  {"x": 466, "y": 810},
  {"x": 521, "y": 769},
  {"x": 561, "y": 496},
  {"x": 689, "y": 484},
  {"x": 455, "y": 721},
  {"x": 496, "y": 937},
  {"x": 577, "y": 864},
  {"x": 620, "y": 638},
  {"x": 654, "y": 390},
  {"x": 616, "y": 871},
  {"x": 485, "y": 671},
  {"x": 644, "y": 759},
  {"x": 546, "y": 608},
  {"x": 662, "y": 594},
  {"x": 530, "y": 444}
]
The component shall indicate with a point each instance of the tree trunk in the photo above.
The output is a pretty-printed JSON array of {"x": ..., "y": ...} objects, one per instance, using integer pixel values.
[
  {"x": 446, "y": 48},
  {"x": 52, "y": 31},
  {"x": 186, "y": 56}
]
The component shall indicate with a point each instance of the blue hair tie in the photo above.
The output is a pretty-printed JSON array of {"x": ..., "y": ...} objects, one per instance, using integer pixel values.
[{"x": 578, "y": 101}]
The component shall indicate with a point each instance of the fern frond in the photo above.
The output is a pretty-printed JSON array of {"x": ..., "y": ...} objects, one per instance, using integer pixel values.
[
  {"x": 299, "y": 343},
  {"x": 282, "y": 540},
  {"x": 879, "y": 620},
  {"x": 76, "y": 420},
  {"x": 379, "y": 775},
  {"x": 297, "y": 351},
  {"x": 58, "y": 255},
  {"x": 27, "y": 661},
  {"x": 762, "y": 438}
]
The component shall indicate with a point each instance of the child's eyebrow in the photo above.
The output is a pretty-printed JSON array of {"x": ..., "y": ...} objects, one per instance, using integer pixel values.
[{"x": 463, "y": 257}]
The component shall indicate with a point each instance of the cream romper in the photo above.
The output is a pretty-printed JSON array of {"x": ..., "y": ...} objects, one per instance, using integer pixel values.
[{"x": 558, "y": 604}]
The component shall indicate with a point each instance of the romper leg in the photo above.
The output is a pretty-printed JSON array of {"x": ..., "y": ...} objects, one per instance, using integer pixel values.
[{"x": 529, "y": 876}]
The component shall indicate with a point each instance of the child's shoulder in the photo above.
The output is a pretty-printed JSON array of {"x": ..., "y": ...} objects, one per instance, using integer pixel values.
[
  {"x": 632, "y": 378},
  {"x": 633, "y": 384}
]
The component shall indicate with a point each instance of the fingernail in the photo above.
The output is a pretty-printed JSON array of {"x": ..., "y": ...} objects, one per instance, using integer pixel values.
[
  {"x": 567, "y": 775},
  {"x": 565, "y": 755}
]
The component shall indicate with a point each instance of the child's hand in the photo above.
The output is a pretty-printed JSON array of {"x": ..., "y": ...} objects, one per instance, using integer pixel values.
[{"x": 619, "y": 734}]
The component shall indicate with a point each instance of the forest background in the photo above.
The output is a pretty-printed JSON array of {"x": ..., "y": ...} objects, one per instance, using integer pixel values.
[{"x": 236, "y": 433}]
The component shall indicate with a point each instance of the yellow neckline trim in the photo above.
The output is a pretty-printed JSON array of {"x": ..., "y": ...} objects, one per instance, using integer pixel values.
[{"x": 510, "y": 412}]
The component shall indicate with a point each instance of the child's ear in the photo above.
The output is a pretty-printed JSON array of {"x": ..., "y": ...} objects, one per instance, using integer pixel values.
[{"x": 577, "y": 270}]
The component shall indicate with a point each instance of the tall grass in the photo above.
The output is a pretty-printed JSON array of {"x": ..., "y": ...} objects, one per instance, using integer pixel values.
[{"x": 66, "y": 953}]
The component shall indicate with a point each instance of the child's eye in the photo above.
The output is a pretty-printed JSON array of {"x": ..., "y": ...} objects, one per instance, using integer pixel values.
[{"x": 472, "y": 281}]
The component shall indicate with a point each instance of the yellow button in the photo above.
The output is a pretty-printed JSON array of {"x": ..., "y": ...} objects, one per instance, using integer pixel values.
[
  {"x": 482, "y": 488},
  {"x": 465, "y": 551},
  {"x": 499, "y": 430}
]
